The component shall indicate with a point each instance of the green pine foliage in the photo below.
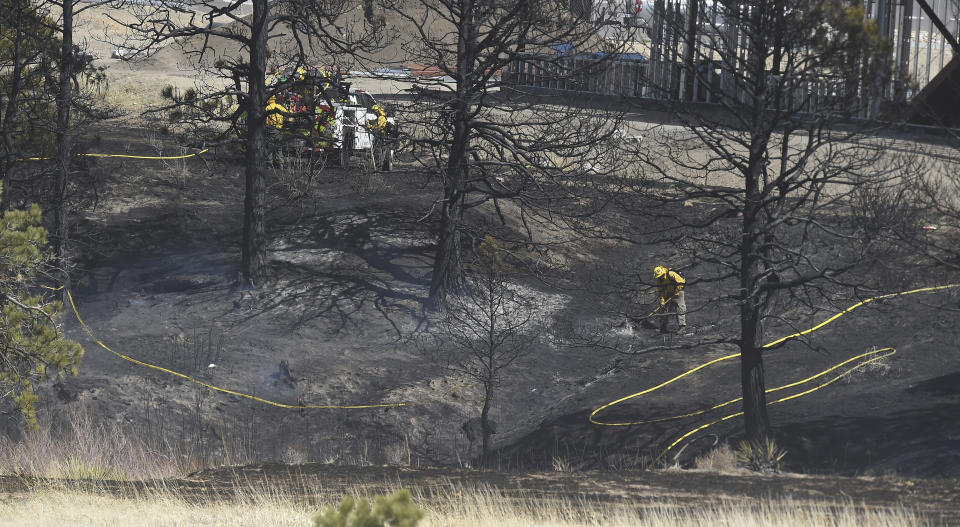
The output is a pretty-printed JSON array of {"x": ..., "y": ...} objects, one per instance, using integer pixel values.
[
  {"x": 29, "y": 49},
  {"x": 32, "y": 346},
  {"x": 30, "y": 57},
  {"x": 395, "y": 510}
]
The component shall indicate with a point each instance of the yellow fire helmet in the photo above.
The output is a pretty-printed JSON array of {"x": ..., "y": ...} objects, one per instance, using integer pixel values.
[{"x": 659, "y": 271}]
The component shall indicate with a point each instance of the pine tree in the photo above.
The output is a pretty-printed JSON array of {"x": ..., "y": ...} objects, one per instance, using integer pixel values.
[{"x": 33, "y": 347}]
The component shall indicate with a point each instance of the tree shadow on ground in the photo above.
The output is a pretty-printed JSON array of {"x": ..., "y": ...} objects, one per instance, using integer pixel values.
[
  {"x": 344, "y": 263},
  {"x": 919, "y": 442}
]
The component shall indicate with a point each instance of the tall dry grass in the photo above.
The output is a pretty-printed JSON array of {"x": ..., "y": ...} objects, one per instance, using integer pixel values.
[
  {"x": 55, "y": 505},
  {"x": 79, "y": 508},
  {"x": 720, "y": 459},
  {"x": 84, "y": 449}
]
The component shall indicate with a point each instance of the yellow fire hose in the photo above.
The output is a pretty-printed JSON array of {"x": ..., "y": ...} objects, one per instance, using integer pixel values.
[
  {"x": 868, "y": 357},
  {"x": 125, "y": 156},
  {"x": 213, "y": 387},
  {"x": 864, "y": 358}
]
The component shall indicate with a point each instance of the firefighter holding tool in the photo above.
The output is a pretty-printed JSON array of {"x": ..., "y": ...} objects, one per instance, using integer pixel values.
[{"x": 672, "y": 302}]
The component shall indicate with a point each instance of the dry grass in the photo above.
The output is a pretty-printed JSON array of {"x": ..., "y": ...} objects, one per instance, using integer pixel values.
[
  {"x": 76, "y": 508},
  {"x": 54, "y": 505},
  {"x": 720, "y": 459},
  {"x": 132, "y": 87},
  {"x": 871, "y": 371},
  {"x": 135, "y": 91},
  {"x": 85, "y": 450},
  {"x": 94, "y": 452},
  {"x": 486, "y": 508}
]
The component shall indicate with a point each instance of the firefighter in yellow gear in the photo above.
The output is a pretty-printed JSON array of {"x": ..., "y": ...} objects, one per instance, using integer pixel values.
[
  {"x": 281, "y": 76},
  {"x": 275, "y": 113},
  {"x": 670, "y": 293},
  {"x": 325, "y": 125},
  {"x": 379, "y": 124}
]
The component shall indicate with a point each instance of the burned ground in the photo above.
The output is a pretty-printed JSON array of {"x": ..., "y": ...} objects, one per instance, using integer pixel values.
[{"x": 340, "y": 319}]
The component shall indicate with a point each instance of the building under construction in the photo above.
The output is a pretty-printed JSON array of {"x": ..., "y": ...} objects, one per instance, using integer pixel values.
[{"x": 685, "y": 51}]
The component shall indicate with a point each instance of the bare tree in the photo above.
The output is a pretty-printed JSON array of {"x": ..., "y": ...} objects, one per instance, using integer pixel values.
[
  {"x": 301, "y": 31},
  {"x": 917, "y": 216},
  {"x": 768, "y": 168},
  {"x": 483, "y": 332},
  {"x": 66, "y": 77},
  {"x": 491, "y": 143}
]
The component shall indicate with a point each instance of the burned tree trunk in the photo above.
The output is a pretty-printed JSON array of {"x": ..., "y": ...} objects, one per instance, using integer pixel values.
[
  {"x": 254, "y": 244},
  {"x": 64, "y": 154},
  {"x": 447, "y": 265},
  {"x": 486, "y": 427}
]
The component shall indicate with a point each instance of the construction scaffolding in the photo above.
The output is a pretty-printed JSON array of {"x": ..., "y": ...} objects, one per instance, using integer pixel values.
[{"x": 686, "y": 50}]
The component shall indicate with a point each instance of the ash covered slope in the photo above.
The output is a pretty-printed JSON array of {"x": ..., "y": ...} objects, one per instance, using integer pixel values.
[
  {"x": 895, "y": 416},
  {"x": 350, "y": 273}
]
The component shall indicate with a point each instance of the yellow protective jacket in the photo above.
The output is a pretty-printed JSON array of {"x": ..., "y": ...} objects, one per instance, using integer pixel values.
[
  {"x": 380, "y": 123},
  {"x": 669, "y": 285},
  {"x": 275, "y": 119},
  {"x": 326, "y": 120}
]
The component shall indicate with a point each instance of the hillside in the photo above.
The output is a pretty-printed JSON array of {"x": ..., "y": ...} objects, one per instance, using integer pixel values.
[
  {"x": 341, "y": 323},
  {"x": 338, "y": 324}
]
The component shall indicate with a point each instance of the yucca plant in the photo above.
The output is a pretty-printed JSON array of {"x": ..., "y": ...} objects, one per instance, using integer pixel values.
[{"x": 760, "y": 456}]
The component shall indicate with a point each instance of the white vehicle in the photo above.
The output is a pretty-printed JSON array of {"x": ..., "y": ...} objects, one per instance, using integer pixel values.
[
  {"x": 323, "y": 114},
  {"x": 362, "y": 126}
]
